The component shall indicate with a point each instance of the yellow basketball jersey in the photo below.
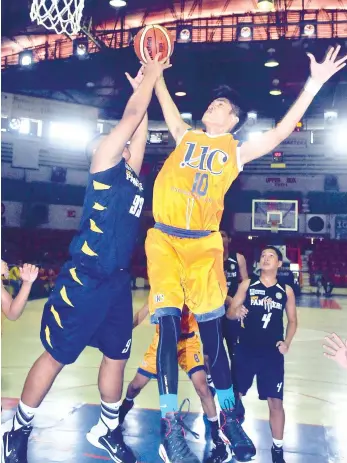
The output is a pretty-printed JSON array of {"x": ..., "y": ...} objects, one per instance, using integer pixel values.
[{"x": 190, "y": 188}]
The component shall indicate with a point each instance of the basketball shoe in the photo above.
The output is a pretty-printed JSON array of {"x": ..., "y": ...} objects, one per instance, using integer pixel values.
[{"x": 277, "y": 454}]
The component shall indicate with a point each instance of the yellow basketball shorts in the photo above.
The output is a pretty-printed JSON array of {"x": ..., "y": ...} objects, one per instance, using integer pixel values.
[
  {"x": 185, "y": 271},
  {"x": 190, "y": 357}
]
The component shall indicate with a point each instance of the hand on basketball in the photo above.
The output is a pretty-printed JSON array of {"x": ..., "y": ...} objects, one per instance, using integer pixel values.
[
  {"x": 336, "y": 349},
  {"x": 155, "y": 66},
  {"x": 282, "y": 347},
  {"x": 4, "y": 269},
  {"x": 321, "y": 72},
  {"x": 28, "y": 273},
  {"x": 135, "y": 81}
]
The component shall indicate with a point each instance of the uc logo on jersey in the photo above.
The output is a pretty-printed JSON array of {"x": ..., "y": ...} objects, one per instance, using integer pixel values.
[{"x": 206, "y": 160}]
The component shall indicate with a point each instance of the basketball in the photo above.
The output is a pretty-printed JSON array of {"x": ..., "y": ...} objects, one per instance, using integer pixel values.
[{"x": 156, "y": 39}]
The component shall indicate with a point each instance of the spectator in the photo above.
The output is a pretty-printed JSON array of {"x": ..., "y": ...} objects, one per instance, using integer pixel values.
[{"x": 13, "y": 308}]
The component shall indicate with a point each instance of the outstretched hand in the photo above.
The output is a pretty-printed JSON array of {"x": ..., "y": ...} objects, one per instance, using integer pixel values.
[
  {"x": 28, "y": 273},
  {"x": 336, "y": 349},
  {"x": 155, "y": 65},
  {"x": 321, "y": 72},
  {"x": 135, "y": 81}
]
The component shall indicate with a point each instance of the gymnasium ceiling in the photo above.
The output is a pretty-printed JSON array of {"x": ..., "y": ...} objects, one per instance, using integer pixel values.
[{"x": 197, "y": 67}]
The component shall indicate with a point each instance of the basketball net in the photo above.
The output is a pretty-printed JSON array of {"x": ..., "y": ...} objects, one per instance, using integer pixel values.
[
  {"x": 274, "y": 226},
  {"x": 62, "y": 16}
]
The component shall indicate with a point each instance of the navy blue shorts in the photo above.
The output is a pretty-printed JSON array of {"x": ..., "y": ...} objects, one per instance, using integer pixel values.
[
  {"x": 83, "y": 311},
  {"x": 267, "y": 364}
]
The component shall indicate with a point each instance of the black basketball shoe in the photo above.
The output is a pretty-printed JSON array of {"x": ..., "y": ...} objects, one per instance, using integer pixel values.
[
  {"x": 221, "y": 452},
  {"x": 173, "y": 447},
  {"x": 240, "y": 443},
  {"x": 277, "y": 454},
  {"x": 15, "y": 445},
  {"x": 113, "y": 443}
]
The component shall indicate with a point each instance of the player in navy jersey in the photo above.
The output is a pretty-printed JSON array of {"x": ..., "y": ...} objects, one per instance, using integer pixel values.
[
  {"x": 235, "y": 269},
  {"x": 91, "y": 303},
  {"x": 260, "y": 303}
]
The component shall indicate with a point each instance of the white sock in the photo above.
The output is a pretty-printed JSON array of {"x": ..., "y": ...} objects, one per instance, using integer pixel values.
[
  {"x": 278, "y": 443},
  {"x": 24, "y": 415},
  {"x": 213, "y": 419},
  {"x": 209, "y": 381},
  {"x": 110, "y": 414}
]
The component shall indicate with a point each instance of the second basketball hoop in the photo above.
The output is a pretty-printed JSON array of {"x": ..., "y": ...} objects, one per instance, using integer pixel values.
[{"x": 62, "y": 16}]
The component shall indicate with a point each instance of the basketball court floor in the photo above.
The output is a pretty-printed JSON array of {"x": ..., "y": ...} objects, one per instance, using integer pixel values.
[{"x": 315, "y": 395}]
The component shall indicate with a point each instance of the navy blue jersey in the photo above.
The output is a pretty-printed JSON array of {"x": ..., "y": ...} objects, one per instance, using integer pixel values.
[
  {"x": 263, "y": 325},
  {"x": 110, "y": 220},
  {"x": 232, "y": 273}
]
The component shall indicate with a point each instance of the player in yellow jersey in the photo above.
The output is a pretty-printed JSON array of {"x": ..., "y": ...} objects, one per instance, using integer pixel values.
[
  {"x": 191, "y": 360},
  {"x": 185, "y": 249}
]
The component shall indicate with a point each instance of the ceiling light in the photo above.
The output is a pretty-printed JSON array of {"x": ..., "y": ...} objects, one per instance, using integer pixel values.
[
  {"x": 117, "y": 3},
  {"x": 309, "y": 30},
  {"x": 26, "y": 58},
  {"x": 185, "y": 35},
  {"x": 180, "y": 94},
  {"x": 252, "y": 115},
  {"x": 81, "y": 49},
  {"x": 275, "y": 92},
  {"x": 14, "y": 124},
  {"x": 246, "y": 32},
  {"x": 271, "y": 63},
  {"x": 265, "y": 5}
]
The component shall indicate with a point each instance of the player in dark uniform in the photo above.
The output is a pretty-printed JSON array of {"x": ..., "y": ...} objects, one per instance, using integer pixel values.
[
  {"x": 235, "y": 269},
  {"x": 260, "y": 303},
  {"x": 91, "y": 303}
]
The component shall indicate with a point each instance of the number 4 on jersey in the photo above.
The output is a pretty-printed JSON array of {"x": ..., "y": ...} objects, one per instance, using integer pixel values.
[
  {"x": 137, "y": 205},
  {"x": 266, "y": 319}
]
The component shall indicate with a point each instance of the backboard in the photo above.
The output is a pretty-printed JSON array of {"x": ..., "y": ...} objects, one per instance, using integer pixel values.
[{"x": 275, "y": 215}]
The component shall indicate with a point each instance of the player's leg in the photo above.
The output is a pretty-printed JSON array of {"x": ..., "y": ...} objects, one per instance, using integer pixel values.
[
  {"x": 270, "y": 380},
  {"x": 192, "y": 362},
  {"x": 206, "y": 290},
  {"x": 277, "y": 421},
  {"x": 145, "y": 373},
  {"x": 16, "y": 432},
  {"x": 113, "y": 338},
  {"x": 67, "y": 324},
  {"x": 134, "y": 389},
  {"x": 165, "y": 303},
  {"x": 212, "y": 339}
]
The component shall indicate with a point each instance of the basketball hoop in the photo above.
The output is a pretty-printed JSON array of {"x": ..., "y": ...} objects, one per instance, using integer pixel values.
[{"x": 63, "y": 16}]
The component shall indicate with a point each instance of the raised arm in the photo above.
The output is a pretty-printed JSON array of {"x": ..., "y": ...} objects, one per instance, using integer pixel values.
[
  {"x": 138, "y": 141},
  {"x": 140, "y": 316},
  {"x": 235, "y": 309},
  {"x": 172, "y": 116},
  {"x": 13, "y": 308},
  {"x": 110, "y": 151},
  {"x": 320, "y": 73}
]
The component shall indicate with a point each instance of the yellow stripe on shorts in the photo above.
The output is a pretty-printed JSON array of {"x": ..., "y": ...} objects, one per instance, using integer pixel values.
[
  {"x": 64, "y": 296},
  {"x": 48, "y": 336},
  {"x": 56, "y": 316}
]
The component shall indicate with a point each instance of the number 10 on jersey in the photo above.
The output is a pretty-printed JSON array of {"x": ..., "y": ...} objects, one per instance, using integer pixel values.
[{"x": 200, "y": 185}]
